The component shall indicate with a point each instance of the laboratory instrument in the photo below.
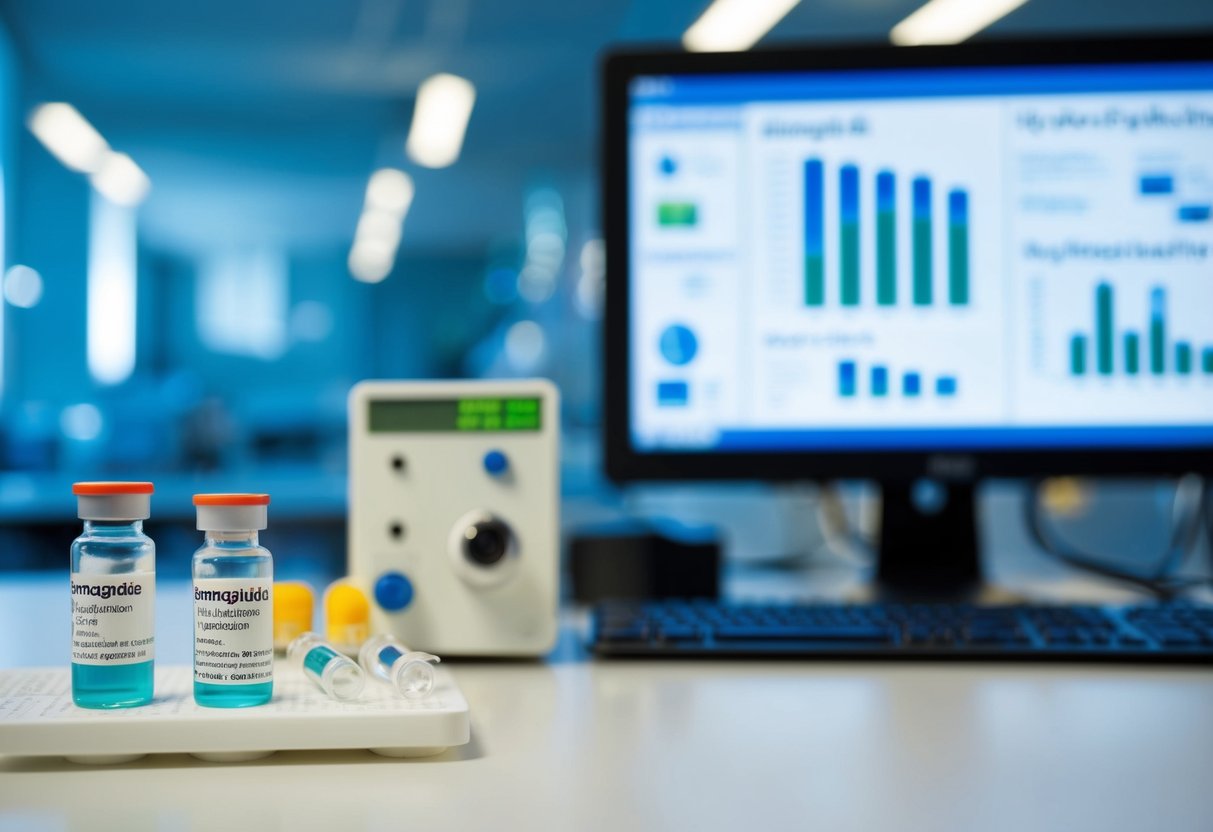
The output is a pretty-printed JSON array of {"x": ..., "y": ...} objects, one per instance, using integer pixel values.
[{"x": 454, "y": 512}]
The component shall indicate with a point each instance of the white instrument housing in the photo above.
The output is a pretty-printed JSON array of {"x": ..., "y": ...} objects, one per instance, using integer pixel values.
[{"x": 454, "y": 512}]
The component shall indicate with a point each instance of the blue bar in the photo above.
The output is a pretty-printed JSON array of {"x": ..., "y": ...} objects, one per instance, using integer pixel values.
[
  {"x": 672, "y": 393},
  {"x": 921, "y": 189},
  {"x": 880, "y": 381},
  {"x": 848, "y": 235},
  {"x": 846, "y": 378},
  {"x": 885, "y": 190},
  {"x": 1157, "y": 184},
  {"x": 814, "y": 198},
  {"x": 920, "y": 241},
  {"x": 945, "y": 386},
  {"x": 1195, "y": 213},
  {"x": 958, "y": 207},
  {"x": 814, "y": 234},
  {"x": 848, "y": 184},
  {"x": 911, "y": 384}
]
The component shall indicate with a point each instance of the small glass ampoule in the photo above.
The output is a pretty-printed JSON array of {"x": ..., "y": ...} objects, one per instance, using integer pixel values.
[
  {"x": 410, "y": 672},
  {"x": 333, "y": 672}
]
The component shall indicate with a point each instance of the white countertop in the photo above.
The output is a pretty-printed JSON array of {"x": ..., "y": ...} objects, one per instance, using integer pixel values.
[{"x": 577, "y": 744}]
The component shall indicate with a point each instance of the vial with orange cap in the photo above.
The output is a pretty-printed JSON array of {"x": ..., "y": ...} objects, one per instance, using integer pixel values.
[
  {"x": 233, "y": 603},
  {"x": 113, "y": 581}
]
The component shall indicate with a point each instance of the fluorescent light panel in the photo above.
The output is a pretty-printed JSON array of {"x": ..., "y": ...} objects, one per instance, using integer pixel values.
[
  {"x": 440, "y": 119},
  {"x": 735, "y": 25},
  {"x": 111, "y": 291},
  {"x": 389, "y": 193},
  {"x": 68, "y": 136},
  {"x": 950, "y": 21},
  {"x": 120, "y": 180}
]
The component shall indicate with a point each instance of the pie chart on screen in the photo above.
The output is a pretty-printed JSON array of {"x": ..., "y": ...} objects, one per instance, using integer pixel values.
[{"x": 679, "y": 345}]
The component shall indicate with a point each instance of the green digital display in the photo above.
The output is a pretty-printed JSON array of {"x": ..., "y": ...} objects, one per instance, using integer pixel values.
[{"x": 455, "y": 415}]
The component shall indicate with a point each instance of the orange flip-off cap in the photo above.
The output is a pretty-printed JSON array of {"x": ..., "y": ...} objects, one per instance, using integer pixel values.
[
  {"x": 231, "y": 499},
  {"x": 103, "y": 489}
]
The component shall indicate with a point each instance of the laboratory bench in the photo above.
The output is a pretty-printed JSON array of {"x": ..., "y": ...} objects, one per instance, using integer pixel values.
[{"x": 573, "y": 743}]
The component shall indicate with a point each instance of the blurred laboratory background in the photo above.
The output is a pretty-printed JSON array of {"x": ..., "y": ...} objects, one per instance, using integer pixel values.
[{"x": 219, "y": 216}]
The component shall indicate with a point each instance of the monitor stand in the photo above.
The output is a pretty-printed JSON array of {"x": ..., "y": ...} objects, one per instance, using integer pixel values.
[{"x": 928, "y": 546}]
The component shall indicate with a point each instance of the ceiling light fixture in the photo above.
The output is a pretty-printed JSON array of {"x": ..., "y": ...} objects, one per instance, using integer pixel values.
[
  {"x": 68, "y": 136},
  {"x": 735, "y": 25},
  {"x": 120, "y": 180},
  {"x": 950, "y": 21},
  {"x": 440, "y": 119},
  {"x": 389, "y": 193}
]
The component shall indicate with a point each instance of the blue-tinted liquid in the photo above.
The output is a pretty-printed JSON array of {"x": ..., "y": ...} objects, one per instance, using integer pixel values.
[
  {"x": 232, "y": 696},
  {"x": 212, "y": 562},
  {"x": 115, "y": 686}
]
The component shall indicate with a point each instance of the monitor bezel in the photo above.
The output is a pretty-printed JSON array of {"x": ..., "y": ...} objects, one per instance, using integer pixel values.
[{"x": 623, "y": 462}]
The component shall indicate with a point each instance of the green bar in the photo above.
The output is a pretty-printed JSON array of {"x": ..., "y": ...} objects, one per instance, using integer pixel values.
[
  {"x": 850, "y": 264},
  {"x": 922, "y": 262},
  {"x": 1078, "y": 355},
  {"x": 958, "y": 248},
  {"x": 814, "y": 280},
  {"x": 1103, "y": 328},
  {"x": 1158, "y": 346},
  {"x": 677, "y": 213},
  {"x": 1132, "y": 353},
  {"x": 1183, "y": 358},
  {"x": 848, "y": 213},
  {"x": 1206, "y": 360},
  {"x": 958, "y": 260},
  {"x": 886, "y": 258},
  {"x": 1158, "y": 332}
]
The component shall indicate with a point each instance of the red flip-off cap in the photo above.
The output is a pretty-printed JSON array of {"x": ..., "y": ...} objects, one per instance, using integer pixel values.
[
  {"x": 231, "y": 499},
  {"x": 103, "y": 489}
]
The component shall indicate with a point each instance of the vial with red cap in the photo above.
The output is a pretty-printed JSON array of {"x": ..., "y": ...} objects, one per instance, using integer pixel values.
[
  {"x": 233, "y": 603},
  {"x": 113, "y": 583}
]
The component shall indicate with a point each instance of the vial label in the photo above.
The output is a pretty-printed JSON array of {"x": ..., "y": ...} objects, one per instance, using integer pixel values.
[
  {"x": 113, "y": 618},
  {"x": 233, "y": 631}
]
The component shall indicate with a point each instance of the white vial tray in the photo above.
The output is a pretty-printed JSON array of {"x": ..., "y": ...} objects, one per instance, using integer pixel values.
[{"x": 38, "y": 718}]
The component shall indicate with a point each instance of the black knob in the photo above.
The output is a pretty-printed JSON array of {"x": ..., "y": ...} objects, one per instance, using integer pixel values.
[{"x": 486, "y": 542}]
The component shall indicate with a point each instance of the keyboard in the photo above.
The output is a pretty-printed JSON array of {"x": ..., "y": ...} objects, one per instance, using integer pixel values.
[{"x": 1172, "y": 633}]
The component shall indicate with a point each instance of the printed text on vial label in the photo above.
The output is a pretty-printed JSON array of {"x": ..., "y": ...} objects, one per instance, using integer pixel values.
[
  {"x": 113, "y": 618},
  {"x": 233, "y": 631}
]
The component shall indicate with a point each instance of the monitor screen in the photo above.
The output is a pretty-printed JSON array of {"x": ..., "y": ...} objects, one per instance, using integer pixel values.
[{"x": 920, "y": 258}]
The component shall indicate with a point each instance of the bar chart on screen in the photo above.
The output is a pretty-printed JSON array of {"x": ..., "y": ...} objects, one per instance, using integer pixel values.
[
  {"x": 918, "y": 228},
  {"x": 1148, "y": 348},
  {"x": 879, "y": 210}
]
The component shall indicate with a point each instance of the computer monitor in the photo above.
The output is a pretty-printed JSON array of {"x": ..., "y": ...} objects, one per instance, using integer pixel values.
[{"x": 912, "y": 265}]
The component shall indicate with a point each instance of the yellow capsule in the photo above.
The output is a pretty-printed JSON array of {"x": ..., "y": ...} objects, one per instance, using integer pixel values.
[
  {"x": 347, "y": 616},
  {"x": 294, "y": 607}
]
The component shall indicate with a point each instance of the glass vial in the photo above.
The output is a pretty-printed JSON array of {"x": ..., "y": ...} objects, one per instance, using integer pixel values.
[
  {"x": 113, "y": 586},
  {"x": 334, "y": 673},
  {"x": 233, "y": 603},
  {"x": 410, "y": 672}
]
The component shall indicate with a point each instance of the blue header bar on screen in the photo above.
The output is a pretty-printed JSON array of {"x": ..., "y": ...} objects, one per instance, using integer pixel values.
[{"x": 918, "y": 83}]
